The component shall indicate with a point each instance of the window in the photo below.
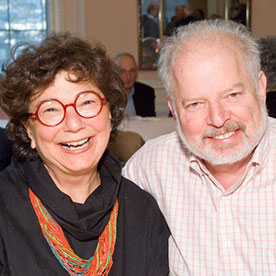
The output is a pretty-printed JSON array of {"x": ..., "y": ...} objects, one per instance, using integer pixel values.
[{"x": 21, "y": 20}]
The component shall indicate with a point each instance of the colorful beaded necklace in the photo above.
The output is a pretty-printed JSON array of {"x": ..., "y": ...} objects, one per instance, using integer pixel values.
[{"x": 99, "y": 264}]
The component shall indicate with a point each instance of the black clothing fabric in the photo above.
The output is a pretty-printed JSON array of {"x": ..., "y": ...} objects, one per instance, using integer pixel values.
[
  {"x": 5, "y": 150},
  {"x": 187, "y": 20},
  {"x": 271, "y": 103},
  {"x": 142, "y": 235},
  {"x": 150, "y": 27},
  {"x": 144, "y": 98}
]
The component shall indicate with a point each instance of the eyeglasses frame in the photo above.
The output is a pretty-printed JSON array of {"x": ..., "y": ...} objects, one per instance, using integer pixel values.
[{"x": 35, "y": 114}]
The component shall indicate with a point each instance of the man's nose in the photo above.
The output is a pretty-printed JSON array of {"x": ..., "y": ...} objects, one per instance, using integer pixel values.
[
  {"x": 217, "y": 115},
  {"x": 128, "y": 75}
]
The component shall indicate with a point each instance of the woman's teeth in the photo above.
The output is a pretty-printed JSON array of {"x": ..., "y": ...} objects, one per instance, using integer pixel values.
[{"x": 76, "y": 145}]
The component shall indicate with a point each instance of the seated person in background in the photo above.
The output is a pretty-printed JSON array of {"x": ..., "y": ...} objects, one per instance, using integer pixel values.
[
  {"x": 5, "y": 150},
  {"x": 140, "y": 96},
  {"x": 267, "y": 47}
]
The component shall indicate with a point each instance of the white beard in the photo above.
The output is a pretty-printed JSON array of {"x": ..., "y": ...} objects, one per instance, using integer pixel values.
[{"x": 241, "y": 151}]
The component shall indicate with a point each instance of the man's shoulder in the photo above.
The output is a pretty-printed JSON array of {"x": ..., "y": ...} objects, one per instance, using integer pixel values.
[
  {"x": 267, "y": 144},
  {"x": 171, "y": 138},
  {"x": 272, "y": 128},
  {"x": 139, "y": 86},
  {"x": 163, "y": 145}
]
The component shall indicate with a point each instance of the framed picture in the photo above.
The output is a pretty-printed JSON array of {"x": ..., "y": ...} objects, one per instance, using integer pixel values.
[{"x": 158, "y": 19}]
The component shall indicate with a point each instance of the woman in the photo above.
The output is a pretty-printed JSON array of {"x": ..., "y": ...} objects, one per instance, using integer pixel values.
[{"x": 65, "y": 208}]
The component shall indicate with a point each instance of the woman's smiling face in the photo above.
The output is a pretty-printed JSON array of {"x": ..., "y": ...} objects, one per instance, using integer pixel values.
[{"x": 77, "y": 144}]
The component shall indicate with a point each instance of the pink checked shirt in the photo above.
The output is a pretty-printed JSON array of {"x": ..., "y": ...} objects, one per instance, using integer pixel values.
[{"x": 214, "y": 232}]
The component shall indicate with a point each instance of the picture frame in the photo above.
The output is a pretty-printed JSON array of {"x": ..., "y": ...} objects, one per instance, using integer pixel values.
[{"x": 153, "y": 24}]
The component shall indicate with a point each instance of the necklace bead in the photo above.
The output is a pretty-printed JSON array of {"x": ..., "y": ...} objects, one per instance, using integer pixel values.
[{"x": 99, "y": 264}]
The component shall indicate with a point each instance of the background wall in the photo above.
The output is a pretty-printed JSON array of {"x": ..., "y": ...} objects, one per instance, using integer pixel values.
[
  {"x": 115, "y": 24},
  {"x": 263, "y": 18}
]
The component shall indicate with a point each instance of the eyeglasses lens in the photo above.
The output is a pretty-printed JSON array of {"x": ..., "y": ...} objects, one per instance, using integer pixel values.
[
  {"x": 88, "y": 105},
  {"x": 51, "y": 112}
]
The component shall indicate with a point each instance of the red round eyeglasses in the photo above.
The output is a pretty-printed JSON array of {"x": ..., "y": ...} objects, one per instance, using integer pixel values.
[{"x": 51, "y": 112}]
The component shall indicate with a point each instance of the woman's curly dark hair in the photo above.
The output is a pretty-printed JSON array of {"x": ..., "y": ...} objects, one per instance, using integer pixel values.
[{"x": 32, "y": 69}]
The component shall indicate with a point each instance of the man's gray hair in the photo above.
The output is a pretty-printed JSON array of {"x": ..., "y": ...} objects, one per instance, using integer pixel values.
[
  {"x": 118, "y": 57},
  {"x": 237, "y": 32}
]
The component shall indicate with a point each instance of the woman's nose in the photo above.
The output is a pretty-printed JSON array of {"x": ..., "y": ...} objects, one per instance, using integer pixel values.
[{"x": 73, "y": 121}]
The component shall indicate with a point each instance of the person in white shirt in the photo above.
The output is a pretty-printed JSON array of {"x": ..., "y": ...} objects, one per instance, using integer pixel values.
[{"x": 215, "y": 178}]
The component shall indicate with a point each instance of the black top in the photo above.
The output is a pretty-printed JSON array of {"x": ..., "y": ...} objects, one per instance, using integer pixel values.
[
  {"x": 143, "y": 99},
  {"x": 271, "y": 103},
  {"x": 142, "y": 235},
  {"x": 5, "y": 150},
  {"x": 150, "y": 27}
]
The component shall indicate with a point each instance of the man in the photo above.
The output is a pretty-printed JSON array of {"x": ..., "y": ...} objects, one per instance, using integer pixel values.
[
  {"x": 267, "y": 46},
  {"x": 215, "y": 178},
  {"x": 140, "y": 96},
  {"x": 149, "y": 23}
]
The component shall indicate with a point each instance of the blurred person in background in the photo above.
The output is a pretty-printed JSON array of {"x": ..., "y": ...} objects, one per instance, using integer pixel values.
[
  {"x": 150, "y": 25},
  {"x": 141, "y": 97},
  {"x": 178, "y": 17},
  {"x": 267, "y": 47}
]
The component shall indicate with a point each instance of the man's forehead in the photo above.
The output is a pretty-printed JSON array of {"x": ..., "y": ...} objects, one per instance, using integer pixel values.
[
  {"x": 127, "y": 63},
  {"x": 203, "y": 63},
  {"x": 200, "y": 48}
]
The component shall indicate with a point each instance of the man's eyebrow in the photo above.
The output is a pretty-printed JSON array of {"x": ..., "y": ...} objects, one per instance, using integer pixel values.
[{"x": 235, "y": 86}]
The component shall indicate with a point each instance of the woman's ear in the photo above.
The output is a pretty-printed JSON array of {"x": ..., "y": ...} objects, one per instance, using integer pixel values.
[{"x": 30, "y": 134}]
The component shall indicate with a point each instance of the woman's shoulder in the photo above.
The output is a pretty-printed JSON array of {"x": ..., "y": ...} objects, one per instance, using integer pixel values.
[
  {"x": 11, "y": 179},
  {"x": 132, "y": 194},
  {"x": 140, "y": 209}
]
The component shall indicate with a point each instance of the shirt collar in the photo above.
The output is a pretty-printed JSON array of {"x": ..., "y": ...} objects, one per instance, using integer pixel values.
[
  {"x": 152, "y": 17},
  {"x": 131, "y": 92}
]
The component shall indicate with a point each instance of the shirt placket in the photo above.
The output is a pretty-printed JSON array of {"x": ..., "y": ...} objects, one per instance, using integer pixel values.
[{"x": 229, "y": 233}]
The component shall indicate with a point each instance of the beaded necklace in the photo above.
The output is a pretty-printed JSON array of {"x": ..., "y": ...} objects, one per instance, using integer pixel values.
[{"x": 99, "y": 264}]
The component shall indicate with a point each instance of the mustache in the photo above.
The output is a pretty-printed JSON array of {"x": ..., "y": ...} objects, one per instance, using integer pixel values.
[{"x": 231, "y": 126}]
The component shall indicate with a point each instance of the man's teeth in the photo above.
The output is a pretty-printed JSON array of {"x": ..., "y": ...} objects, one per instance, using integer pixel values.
[
  {"x": 224, "y": 136},
  {"x": 76, "y": 145}
]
